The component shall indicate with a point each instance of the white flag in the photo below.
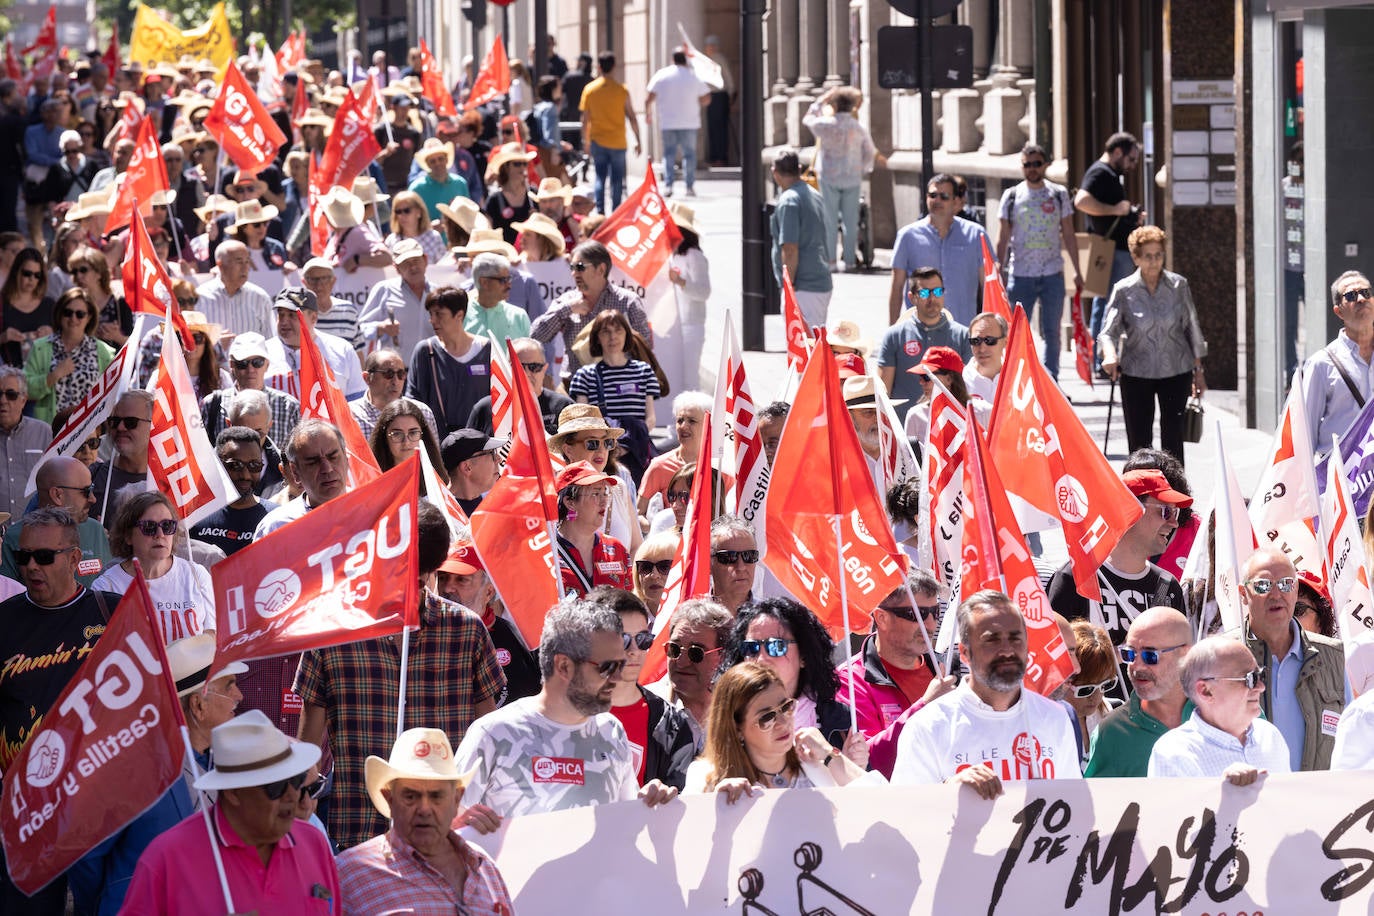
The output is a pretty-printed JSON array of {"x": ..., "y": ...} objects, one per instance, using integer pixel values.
[
  {"x": 1284, "y": 504},
  {"x": 1347, "y": 577}
]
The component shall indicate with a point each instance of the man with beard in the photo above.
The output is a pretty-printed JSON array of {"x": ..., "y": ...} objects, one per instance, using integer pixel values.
[
  {"x": 1153, "y": 653},
  {"x": 561, "y": 748},
  {"x": 989, "y": 729}
]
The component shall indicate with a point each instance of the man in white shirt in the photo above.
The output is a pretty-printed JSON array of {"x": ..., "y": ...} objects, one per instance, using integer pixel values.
[
  {"x": 296, "y": 305},
  {"x": 679, "y": 95},
  {"x": 229, "y": 300},
  {"x": 987, "y": 335},
  {"x": 1225, "y": 735},
  {"x": 990, "y": 729}
]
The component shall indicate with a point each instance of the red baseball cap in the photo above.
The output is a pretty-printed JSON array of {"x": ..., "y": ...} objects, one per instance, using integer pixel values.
[
  {"x": 938, "y": 359},
  {"x": 582, "y": 474},
  {"x": 463, "y": 560},
  {"x": 1152, "y": 482}
]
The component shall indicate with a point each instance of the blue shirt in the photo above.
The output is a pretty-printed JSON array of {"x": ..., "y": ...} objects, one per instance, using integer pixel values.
[
  {"x": 1286, "y": 712},
  {"x": 958, "y": 257}
]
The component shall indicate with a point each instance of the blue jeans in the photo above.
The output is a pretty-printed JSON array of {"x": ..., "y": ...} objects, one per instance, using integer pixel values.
[
  {"x": 686, "y": 141},
  {"x": 609, "y": 163},
  {"x": 1049, "y": 290},
  {"x": 1122, "y": 267},
  {"x": 841, "y": 206}
]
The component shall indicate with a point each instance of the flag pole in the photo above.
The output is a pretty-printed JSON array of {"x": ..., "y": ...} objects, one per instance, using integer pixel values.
[
  {"x": 557, "y": 563},
  {"x": 921, "y": 625},
  {"x": 405, "y": 665},
  {"x": 844, "y": 611}
]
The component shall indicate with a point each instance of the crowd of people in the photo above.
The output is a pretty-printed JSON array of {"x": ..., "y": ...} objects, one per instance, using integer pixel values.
[{"x": 309, "y": 802}]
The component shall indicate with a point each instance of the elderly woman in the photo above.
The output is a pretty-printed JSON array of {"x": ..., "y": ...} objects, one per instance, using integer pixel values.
[
  {"x": 584, "y": 435},
  {"x": 25, "y": 306},
  {"x": 586, "y": 557},
  {"x": 410, "y": 220},
  {"x": 751, "y": 743},
  {"x": 64, "y": 366},
  {"x": 1087, "y": 691},
  {"x": 846, "y": 153},
  {"x": 510, "y": 202},
  {"x": 653, "y": 560},
  {"x": 91, "y": 272},
  {"x": 624, "y": 388},
  {"x": 689, "y": 410},
  {"x": 146, "y": 528},
  {"x": 1152, "y": 343}
]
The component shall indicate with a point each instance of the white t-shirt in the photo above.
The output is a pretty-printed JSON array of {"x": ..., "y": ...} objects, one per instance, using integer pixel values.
[
  {"x": 677, "y": 94},
  {"x": 184, "y": 598},
  {"x": 1031, "y": 740},
  {"x": 1354, "y": 748},
  {"x": 529, "y": 764}
]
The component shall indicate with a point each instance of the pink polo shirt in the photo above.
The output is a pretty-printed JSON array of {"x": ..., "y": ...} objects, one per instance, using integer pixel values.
[{"x": 176, "y": 873}]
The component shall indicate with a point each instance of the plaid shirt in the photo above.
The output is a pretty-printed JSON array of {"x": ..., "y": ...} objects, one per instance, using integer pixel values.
[
  {"x": 452, "y": 668},
  {"x": 286, "y": 413},
  {"x": 386, "y": 875},
  {"x": 560, "y": 321}
]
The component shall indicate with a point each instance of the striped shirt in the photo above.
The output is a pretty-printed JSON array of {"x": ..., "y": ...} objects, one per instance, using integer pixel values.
[
  {"x": 387, "y": 875},
  {"x": 620, "y": 391},
  {"x": 342, "y": 321},
  {"x": 249, "y": 309}
]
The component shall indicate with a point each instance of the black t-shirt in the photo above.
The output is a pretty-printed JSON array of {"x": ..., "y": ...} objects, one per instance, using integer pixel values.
[
  {"x": 231, "y": 529},
  {"x": 469, "y": 505},
  {"x": 40, "y": 650},
  {"x": 100, "y": 474},
  {"x": 396, "y": 167},
  {"x": 519, "y": 664},
  {"x": 1124, "y": 597},
  {"x": 551, "y": 404},
  {"x": 504, "y": 215},
  {"x": 1105, "y": 185}
]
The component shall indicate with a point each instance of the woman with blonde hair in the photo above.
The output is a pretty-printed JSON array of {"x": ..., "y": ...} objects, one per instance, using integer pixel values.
[
  {"x": 410, "y": 220},
  {"x": 1098, "y": 674},
  {"x": 653, "y": 560}
]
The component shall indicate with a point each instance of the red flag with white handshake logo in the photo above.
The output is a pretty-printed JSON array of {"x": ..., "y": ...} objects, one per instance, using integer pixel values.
[
  {"x": 1031, "y": 435},
  {"x": 345, "y": 572},
  {"x": 104, "y": 753},
  {"x": 246, "y": 132},
  {"x": 640, "y": 235}
]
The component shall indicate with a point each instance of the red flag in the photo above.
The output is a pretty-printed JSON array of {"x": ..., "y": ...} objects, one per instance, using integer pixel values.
[
  {"x": 432, "y": 82},
  {"x": 104, "y": 753},
  {"x": 319, "y": 226},
  {"x": 351, "y": 146},
  {"x": 994, "y": 293},
  {"x": 492, "y": 81},
  {"x": 799, "y": 337},
  {"x": 292, "y": 51},
  {"x": 345, "y": 572},
  {"x": 943, "y": 475},
  {"x": 690, "y": 575},
  {"x": 322, "y": 399},
  {"x": 510, "y": 529},
  {"x": 46, "y": 42},
  {"x": 238, "y": 120},
  {"x": 300, "y": 104},
  {"x": 1033, "y": 433},
  {"x": 145, "y": 176},
  {"x": 147, "y": 286},
  {"x": 819, "y": 445},
  {"x": 739, "y": 456},
  {"x": 1082, "y": 342},
  {"x": 13, "y": 70},
  {"x": 130, "y": 116},
  {"x": 369, "y": 101},
  {"x": 111, "y": 56},
  {"x": 639, "y": 234},
  {"x": 996, "y": 557}
]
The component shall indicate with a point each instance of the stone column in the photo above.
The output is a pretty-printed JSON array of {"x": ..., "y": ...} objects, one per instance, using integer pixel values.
[
  {"x": 812, "y": 27},
  {"x": 788, "y": 36},
  {"x": 837, "y": 60}
]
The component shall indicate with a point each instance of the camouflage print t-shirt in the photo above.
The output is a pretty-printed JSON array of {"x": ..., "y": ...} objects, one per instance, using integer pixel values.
[{"x": 529, "y": 764}]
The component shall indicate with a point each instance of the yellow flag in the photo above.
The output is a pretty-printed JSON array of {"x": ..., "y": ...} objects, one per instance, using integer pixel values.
[{"x": 157, "y": 41}]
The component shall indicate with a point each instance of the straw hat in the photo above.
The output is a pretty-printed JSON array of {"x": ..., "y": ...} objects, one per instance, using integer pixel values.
[
  {"x": 215, "y": 205},
  {"x": 342, "y": 208},
  {"x": 204, "y": 65},
  {"x": 249, "y": 751},
  {"x": 843, "y": 333},
  {"x": 463, "y": 211},
  {"x": 186, "y": 97},
  {"x": 251, "y": 212},
  {"x": 365, "y": 189},
  {"x": 334, "y": 95},
  {"x": 508, "y": 152},
  {"x": 435, "y": 147},
  {"x": 313, "y": 117},
  {"x": 488, "y": 240},
  {"x": 91, "y": 203},
  {"x": 419, "y": 753},
  {"x": 684, "y": 217},
  {"x": 581, "y": 418},
  {"x": 191, "y": 660},
  {"x": 859, "y": 393},
  {"x": 552, "y": 187},
  {"x": 543, "y": 225},
  {"x": 406, "y": 249},
  {"x": 162, "y": 198},
  {"x": 197, "y": 321}
]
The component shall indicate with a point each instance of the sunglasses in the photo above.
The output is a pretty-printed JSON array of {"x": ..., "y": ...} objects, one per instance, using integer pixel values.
[
  {"x": 1302, "y": 608},
  {"x": 775, "y": 646},
  {"x": 391, "y": 374},
  {"x": 30, "y": 274},
  {"x": 129, "y": 423},
  {"x": 504, "y": 281},
  {"x": 314, "y": 789},
  {"x": 731, "y": 557},
  {"x": 595, "y": 445},
  {"x": 1169, "y": 514},
  {"x": 42, "y": 556},
  {"x": 405, "y": 435},
  {"x": 1251, "y": 679},
  {"x": 92, "y": 443},
  {"x": 148, "y": 528},
  {"x": 783, "y": 710},
  {"x": 1262, "y": 586},
  {"x": 256, "y": 362},
  {"x": 681, "y": 496},
  {"x": 72, "y": 152},
  {"x": 12, "y": 394},
  {"x": 927, "y": 612},
  {"x": 641, "y": 640},
  {"x": 200, "y": 339},
  {"x": 402, "y": 211},
  {"x": 695, "y": 654},
  {"x": 80, "y": 315},
  {"x": 79, "y": 270},
  {"x": 939, "y": 195},
  {"x": 608, "y": 669},
  {"x": 1357, "y": 294},
  {"x": 1148, "y": 656},
  {"x": 1034, "y": 164},
  {"x": 188, "y": 302},
  {"x": 88, "y": 490},
  {"x": 645, "y": 567},
  {"x": 233, "y": 465},
  {"x": 579, "y": 266},
  {"x": 275, "y": 790},
  {"x": 1086, "y": 690},
  {"x": 936, "y": 291},
  {"x": 984, "y": 341},
  {"x": 534, "y": 367}
]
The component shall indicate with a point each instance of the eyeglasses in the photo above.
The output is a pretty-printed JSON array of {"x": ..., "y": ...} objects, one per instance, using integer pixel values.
[
  {"x": 939, "y": 195},
  {"x": 771, "y": 717},
  {"x": 1355, "y": 295},
  {"x": 681, "y": 496},
  {"x": 30, "y": 274},
  {"x": 641, "y": 640},
  {"x": 1168, "y": 513},
  {"x": 775, "y": 646},
  {"x": 1148, "y": 656},
  {"x": 129, "y": 423},
  {"x": 405, "y": 435},
  {"x": 149, "y": 528},
  {"x": 187, "y": 302},
  {"x": 88, "y": 490},
  {"x": 314, "y": 789},
  {"x": 12, "y": 394},
  {"x": 579, "y": 266},
  {"x": 72, "y": 152},
  {"x": 92, "y": 443},
  {"x": 731, "y": 557},
  {"x": 233, "y": 465},
  {"x": 1303, "y": 608},
  {"x": 534, "y": 367},
  {"x": 79, "y": 270},
  {"x": 43, "y": 556},
  {"x": 275, "y": 790},
  {"x": 927, "y": 612},
  {"x": 391, "y": 374},
  {"x": 1034, "y": 164},
  {"x": 255, "y": 362},
  {"x": 936, "y": 291},
  {"x": 985, "y": 341},
  {"x": 596, "y": 445},
  {"x": 645, "y": 567},
  {"x": 503, "y": 280},
  {"x": 1082, "y": 692},
  {"x": 1251, "y": 679},
  {"x": 695, "y": 654},
  {"x": 1262, "y": 586},
  {"x": 607, "y": 669}
]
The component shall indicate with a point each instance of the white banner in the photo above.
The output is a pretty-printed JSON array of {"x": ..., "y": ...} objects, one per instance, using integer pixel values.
[
  {"x": 554, "y": 278},
  {"x": 1291, "y": 844},
  {"x": 355, "y": 286}
]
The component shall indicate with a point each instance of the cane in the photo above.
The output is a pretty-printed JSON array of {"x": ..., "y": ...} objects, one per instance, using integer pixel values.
[{"x": 1111, "y": 399}]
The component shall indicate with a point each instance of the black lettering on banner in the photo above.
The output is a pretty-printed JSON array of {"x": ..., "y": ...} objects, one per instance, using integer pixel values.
[{"x": 1352, "y": 878}]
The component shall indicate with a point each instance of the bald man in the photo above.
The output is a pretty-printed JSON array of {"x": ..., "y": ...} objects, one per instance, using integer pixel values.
[
  {"x": 1153, "y": 653},
  {"x": 66, "y": 483}
]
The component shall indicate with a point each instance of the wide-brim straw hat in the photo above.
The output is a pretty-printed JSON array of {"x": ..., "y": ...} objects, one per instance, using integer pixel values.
[
  {"x": 215, "y": 205},
  {"x": 463, "y": 211},
  {"x": 844, "y": 333},
  {"x": 342, "y": 208},
  {"x": 543, "y": 225},
  {"x": 365, "y": 189},
  {"x": 859, "y": 392},
  {"x": 192, "y": 660},
  {"x": 316, "y": 118},
  {"x": 550, "y": 188},
  {"x": 482, "y": 241},
  {"x": 684, "y": 217},
  {"x": 508, "y": 152},
  {"x": 90, "y": 203},
  {"x": 419, "y": 753},
  {"x": 581, "y": 418},
  {"x": 436, "y": 147},
  {"x": 249, "y": 751},
  {"x": 250, "y": 212}
]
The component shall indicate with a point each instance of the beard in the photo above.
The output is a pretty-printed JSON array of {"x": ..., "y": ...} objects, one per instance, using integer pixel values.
[
  {"x": 586, "y": 700},
  {"x": 1006, "y": 675}
]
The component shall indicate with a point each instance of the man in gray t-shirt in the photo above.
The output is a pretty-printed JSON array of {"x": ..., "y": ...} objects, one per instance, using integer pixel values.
[
  {"x": 924, "y": 324},
  {"x": 798, "y": 227}
]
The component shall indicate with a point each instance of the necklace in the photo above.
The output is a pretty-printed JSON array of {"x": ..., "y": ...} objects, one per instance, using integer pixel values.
[{"x": 778, "y": 780}]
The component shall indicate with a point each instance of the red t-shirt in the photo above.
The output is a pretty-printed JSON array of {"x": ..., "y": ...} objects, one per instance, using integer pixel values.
[
  {"x": 635, "y": 718},
  {"x": 911, "y": 683}
]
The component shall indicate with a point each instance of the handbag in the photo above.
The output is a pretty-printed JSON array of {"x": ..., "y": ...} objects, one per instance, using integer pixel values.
[
  {"x": 808, "y": 173},
  {"x": 1192, "y": 420},
  {"x": 1097, "y": 274}
]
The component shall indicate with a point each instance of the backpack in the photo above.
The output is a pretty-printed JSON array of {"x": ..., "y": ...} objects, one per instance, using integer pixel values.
[{"x": 536, "y": 132}]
